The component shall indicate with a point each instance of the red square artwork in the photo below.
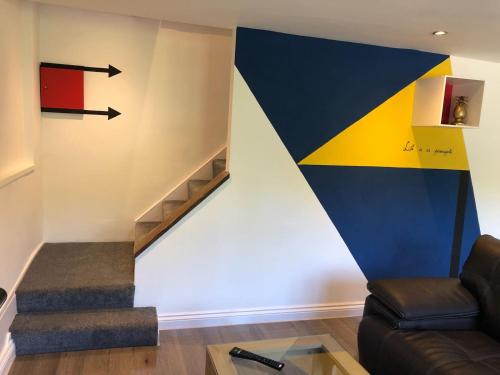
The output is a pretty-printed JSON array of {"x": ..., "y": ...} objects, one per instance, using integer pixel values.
[{"x": 61, "y": 88}]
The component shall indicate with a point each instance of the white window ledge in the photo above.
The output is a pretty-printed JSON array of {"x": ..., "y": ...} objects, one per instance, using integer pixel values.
[{"x": 16, "y": 173}]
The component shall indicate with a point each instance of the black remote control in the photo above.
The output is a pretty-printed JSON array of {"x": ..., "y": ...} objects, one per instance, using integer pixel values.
[{"x": 240, "y": 353}]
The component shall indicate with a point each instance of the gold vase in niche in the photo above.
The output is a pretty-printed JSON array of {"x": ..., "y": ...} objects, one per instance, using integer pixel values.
[{"x": 460, "y": 111}]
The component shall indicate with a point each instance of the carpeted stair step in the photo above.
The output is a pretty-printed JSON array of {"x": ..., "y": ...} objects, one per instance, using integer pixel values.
[
  {"x": 78, "y": 276},
  {"x": 170, "y": 206},
  {"x": 196, "y": 185},
  {"x": 84, "y": 330},
  {"x": 218, "y": 165}
]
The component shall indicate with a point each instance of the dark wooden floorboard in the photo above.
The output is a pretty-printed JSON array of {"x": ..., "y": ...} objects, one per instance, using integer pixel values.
[{"x": 182, "y": 352}]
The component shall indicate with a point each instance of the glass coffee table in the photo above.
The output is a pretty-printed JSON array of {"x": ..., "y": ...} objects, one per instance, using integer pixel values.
[{"x": 308, "y": 355}]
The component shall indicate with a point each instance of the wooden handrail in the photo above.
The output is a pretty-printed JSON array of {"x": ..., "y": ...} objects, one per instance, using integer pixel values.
[{"x": 172, "y": 219}]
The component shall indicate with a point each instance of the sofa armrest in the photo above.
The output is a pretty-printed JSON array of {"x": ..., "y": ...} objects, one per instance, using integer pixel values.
[{"x": 424, "y": 298}]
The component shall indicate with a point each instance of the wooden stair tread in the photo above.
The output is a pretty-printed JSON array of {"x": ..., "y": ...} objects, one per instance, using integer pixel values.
[
  {"x": 195, "y": 185},
  {"x": 195, "y": 199},
  {"x": 218, "y": 165},
  {"x": 144, "y": 227},
  {"x": 169, "y": 207}
]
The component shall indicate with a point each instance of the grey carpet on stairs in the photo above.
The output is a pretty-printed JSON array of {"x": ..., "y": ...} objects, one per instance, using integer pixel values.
[
  {"x": 75, "y": 276},
  {"x": 78, "y": 296},
  {"x": 74, "y": 330}
]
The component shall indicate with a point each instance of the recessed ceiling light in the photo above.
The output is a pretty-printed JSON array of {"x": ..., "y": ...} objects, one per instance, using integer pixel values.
[{"x": 439, "y": 33}]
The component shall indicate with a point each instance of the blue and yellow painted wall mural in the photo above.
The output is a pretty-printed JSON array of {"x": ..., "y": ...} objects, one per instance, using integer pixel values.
[{"x": 401, "y": 197}]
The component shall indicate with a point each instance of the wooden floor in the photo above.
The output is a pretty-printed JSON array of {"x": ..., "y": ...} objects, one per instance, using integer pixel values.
[{"x": 182, "y": 352}]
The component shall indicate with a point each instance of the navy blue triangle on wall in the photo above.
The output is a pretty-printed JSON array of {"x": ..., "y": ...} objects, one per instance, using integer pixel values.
[
  {"x": 397, "y": 222},
  {"x": 311, "y": 89}
]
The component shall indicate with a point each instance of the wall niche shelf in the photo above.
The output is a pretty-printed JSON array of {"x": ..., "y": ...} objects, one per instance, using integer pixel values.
[{"x": 435, "y": 101}]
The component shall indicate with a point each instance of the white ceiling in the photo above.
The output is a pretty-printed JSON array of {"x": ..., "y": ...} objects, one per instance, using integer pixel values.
[{"x": 473, "y": 25}]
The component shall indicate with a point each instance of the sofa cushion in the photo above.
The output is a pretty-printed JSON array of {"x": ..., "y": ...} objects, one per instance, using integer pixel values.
[
  {"x": 374, "y": 307},
  {"x": 425, "y": 298},
  {"x": 481, "y": 275},
  {"x": 385, "y": 351}
]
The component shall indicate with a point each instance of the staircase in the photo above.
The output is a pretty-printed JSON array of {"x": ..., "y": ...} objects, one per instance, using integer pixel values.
[
  {"x": 80, "y": 296},
  {"x": 180, "y": 201}
]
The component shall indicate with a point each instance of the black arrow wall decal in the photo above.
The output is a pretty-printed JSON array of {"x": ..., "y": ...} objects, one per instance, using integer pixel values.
[
  {"x": 111, "y": 113},
  {"x": 111, "y": 70}
]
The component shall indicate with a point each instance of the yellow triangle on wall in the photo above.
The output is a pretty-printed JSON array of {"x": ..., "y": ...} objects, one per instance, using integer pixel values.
[{"x": 386, "y": 138}]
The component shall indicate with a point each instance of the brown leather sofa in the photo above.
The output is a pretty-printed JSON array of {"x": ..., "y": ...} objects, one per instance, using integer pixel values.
[{"x": 436, "y": 326}]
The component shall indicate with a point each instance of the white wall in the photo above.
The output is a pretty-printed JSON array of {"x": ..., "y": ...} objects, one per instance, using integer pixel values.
[
  {"x": 20, "y": 200},
  {"x": 263, "y": 241},
  {"x": 483, "y": 144},
  {"x": 99, "y": 175},
  {"x": 263, "y": 245},
  {"x": 16, "y": 44}
]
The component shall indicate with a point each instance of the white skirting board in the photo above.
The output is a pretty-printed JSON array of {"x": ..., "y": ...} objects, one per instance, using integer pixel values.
[
  {"x": 7, "y": 355},
  {"x": 7, "y": 314},
  {"x": 259, "y": 315}
]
